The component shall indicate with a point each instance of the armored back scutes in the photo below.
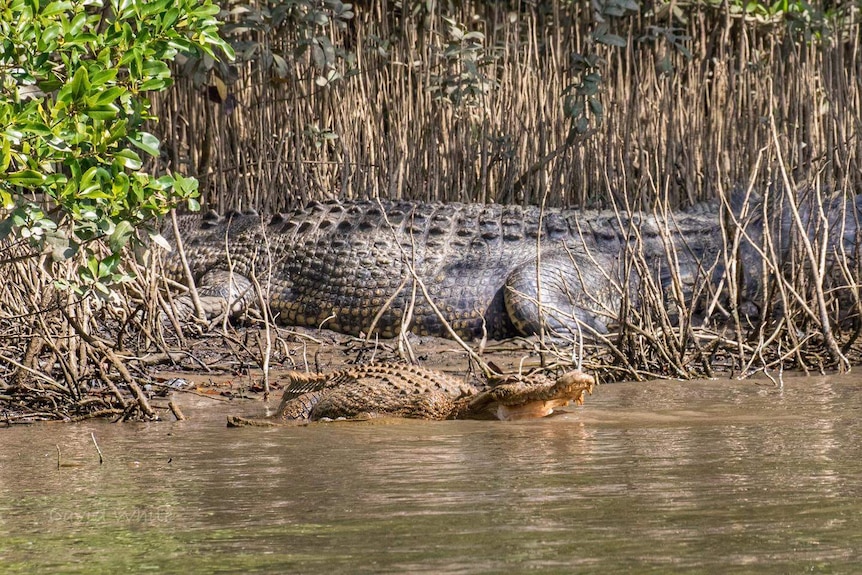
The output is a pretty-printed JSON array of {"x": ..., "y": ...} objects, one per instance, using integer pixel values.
[{"x": 349, "y": 266}]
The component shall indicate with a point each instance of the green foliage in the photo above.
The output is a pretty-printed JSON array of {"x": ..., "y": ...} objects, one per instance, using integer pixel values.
[
  {"x": 462, "y": 81},
  {"x": 73, "y": 78},
  {"x": 772, "y": 11},
  {"x": 254, "y": 29},
  {"x": 581, "y": 103},
  {"x": 805, "y": 21}
]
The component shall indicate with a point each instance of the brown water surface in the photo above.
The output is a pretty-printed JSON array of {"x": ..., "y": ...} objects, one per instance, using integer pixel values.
[{"x": 662, "y": 477}]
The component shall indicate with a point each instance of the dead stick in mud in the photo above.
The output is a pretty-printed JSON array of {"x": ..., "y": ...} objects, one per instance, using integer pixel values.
[
  {"x": 127, "y": 377},
  {"x": 187, "y": 270},
  {"x": 116, "y": 361},
  {"x": 731, "y": 243},
  {"x": 29, "y": 370},
  {"x": 386, "y": 305},
  {"x": 816, "y": 263},
  {"x": 539, "y": 309},
  {"x": 403, "y": 341},
  {"x": 103, "y": 374},
  {"x": 263, "y": 299},
  {"x": 175, "y": 409},
  {"x": 99, "y": 451},
  {"x": 61, "y": 463},
  {"x": 406, "y": 317},
  {"x": 766, "y": 251}
]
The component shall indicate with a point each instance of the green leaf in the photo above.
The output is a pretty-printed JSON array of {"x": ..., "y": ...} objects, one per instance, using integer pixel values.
[
  {"x": 206, "y": 10},
  {"x": 48, "y": 85},
  {"x": 611, "y": 40},
  {"x": 154, "y": 84},
  {"x": 76, "y": 25},
  {"x": 154, "y": 7},
  {"x": 7, "y": 225},
  {"x": 102, "y": 77},
  {"x": 55, "y": 8},
  {"x": 36, "y": 128},
  {"x": 582, "y": 125},
  {"x": 108, "y": 96},
  {"x": 128, "y": 159},
  {"x": 126, "y": 9},
  {"x": 96, "y": 173},
  {"x": 156, "y": 68},
  {"x": 49, "y": 35},
  {"x": 170, "y": 18},
  {"x": 183, "y": 186},
  {"x": 160, "y": 241},
  {"x": 120, "y": 187},
  {"x": 5, "y": 157},
  {"x": 596, "y": 108},
  {"x": 106, "y": 113},
  {"x": 25, "y": 178},
  {"x": 120, "y": 237},
  {"x": 146, "y": 142},
  {"x": 80, "y": 84},
  {"x": 93, "y": 267}
]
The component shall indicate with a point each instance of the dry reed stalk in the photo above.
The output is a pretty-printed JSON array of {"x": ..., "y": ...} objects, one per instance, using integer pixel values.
[
  {"x": 690, "y": 126},
  {"x": 262, "y": 296}
]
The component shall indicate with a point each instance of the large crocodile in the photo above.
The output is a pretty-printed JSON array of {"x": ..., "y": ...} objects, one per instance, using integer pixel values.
[
  {"x": 379, "y": 267},
  {"x": 399, "y": 390},
  {"x": 375, "y": 267}
]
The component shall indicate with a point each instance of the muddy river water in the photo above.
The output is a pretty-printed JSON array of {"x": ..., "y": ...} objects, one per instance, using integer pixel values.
[{"x": 660, "y": 477}]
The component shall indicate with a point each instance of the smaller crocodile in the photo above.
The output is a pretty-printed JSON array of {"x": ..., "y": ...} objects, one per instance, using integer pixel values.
[{"x": 400, "y": 390}]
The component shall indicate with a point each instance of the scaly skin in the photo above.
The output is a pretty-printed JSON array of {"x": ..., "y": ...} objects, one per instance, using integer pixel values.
[
  {"x": 399, "y": 390},
  {"x": 347, "y": 266}
]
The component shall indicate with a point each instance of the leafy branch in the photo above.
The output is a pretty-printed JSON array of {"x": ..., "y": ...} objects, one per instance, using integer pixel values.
[{"x": 73, "y": 81}]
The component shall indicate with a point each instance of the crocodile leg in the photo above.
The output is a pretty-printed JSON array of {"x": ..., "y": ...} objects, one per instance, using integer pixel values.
[
  {"x": 219, "y": 292},
  {"x": 578, "y": 290}
]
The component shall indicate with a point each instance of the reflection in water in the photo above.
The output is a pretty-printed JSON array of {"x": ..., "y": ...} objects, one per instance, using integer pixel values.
[{"x": 657, "y": 477}]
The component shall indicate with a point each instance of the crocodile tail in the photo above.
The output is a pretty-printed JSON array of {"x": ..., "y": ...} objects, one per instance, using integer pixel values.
[{"x": 301, "y": 394}]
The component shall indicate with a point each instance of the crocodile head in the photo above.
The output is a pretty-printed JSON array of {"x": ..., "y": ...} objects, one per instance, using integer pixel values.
[{"x": 524, "y": 397}]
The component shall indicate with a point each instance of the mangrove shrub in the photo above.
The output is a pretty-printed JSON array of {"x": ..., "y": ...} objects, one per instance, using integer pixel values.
[{"x": 74, "y": 78}]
